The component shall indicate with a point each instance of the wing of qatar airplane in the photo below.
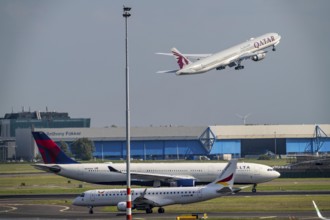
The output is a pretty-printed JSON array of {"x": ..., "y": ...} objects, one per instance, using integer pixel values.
[
  {"x": 254, "y": 49},
  {"x": 147, "y": 174},
  {"x": 148, "y": 198}
]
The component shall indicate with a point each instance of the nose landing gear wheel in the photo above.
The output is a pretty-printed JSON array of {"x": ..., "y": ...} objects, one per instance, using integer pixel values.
[{"x": 254, "y": 189}]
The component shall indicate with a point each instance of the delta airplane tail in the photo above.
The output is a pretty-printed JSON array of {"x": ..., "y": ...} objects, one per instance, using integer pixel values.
[{"x": 51, "y": 153}]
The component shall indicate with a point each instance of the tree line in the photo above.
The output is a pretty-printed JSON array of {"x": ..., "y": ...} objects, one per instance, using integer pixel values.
[{"x": 82, "y": 149}]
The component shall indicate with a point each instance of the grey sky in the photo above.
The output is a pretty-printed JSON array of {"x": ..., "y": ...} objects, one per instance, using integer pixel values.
[{"x": 69, "y": 56}]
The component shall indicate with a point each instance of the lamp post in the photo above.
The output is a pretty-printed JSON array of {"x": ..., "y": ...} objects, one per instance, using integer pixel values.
[{"x": 126, "y": 15}]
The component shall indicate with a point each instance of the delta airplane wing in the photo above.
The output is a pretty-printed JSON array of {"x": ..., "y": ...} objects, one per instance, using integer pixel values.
[
  {"x": 154, "y": 176},
  {"x": 147, "y": 199},
  {"x": 254, "y": 49}
]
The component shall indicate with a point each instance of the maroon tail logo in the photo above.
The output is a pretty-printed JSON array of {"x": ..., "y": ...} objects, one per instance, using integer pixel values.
[{"x": 182, "y": 61}]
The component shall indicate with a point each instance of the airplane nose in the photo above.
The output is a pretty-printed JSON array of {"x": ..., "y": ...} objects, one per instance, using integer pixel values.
[
  {"x": 276, "y": 174},
  {"x": 76, "y": 201}
]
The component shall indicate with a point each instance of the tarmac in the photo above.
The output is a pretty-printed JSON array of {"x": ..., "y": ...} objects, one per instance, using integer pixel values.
[{"x": 22, "y": 207}]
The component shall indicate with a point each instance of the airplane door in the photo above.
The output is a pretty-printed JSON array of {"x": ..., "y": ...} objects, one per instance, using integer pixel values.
[
  {"x": 199, "y": 193},
  {"x": 92, "y": 197},
  {"x": 256, "y": 174}
]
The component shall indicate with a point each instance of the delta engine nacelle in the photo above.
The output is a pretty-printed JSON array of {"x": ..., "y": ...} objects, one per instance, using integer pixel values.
[
  {"x": 121, "y": 206},
  {"x": 259, "y": 56}
]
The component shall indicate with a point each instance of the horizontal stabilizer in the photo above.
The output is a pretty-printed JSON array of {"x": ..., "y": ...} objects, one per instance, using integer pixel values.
[
  {"x": 189, "y": 55},
  {"x": 47, "y": 168},
  {"x": 167, "y": 71},
  {"x": 225, "y": 190}
]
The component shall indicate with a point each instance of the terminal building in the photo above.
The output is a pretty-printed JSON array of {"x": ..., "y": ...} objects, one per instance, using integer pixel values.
[
  {"x": 181, "y": 142},
  {"x": 12, "y": 124}
]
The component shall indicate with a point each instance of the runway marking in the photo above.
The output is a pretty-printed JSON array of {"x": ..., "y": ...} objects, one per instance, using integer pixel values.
[
  {"x": 11, "y": 208},
  {"x": 65, "y": 208},
  {"x": 267, "y": 217}
]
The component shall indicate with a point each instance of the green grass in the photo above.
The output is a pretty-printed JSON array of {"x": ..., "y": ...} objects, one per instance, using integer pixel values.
[{"x": 14, "y": 168}]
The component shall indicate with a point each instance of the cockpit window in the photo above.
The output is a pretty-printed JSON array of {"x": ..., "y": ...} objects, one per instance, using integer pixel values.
[
  {"x": 82, "y": 195},
  {"x": 270, "y": 169}
]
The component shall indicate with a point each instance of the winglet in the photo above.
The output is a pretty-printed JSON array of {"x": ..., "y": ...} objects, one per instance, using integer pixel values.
[
  {"x": 318, "y": 211},
  {"x": 51, "y": 153}
]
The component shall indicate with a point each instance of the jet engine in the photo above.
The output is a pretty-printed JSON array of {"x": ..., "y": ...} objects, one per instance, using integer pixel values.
[
  {"x": 259, "y": 56},
  {"x": 121, "y": 206}
]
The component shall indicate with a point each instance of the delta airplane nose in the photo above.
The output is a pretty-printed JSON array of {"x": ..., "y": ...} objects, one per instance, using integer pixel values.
[{"x": 276, "y": 174}]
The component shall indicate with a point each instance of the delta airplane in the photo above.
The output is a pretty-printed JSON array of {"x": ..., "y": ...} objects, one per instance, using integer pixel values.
[
  {"x": 148, "y": 198},
  {"x": 147, "y": 174},
  {"x": 253, "y": 49},
  {"x": 319, "y": 213}
]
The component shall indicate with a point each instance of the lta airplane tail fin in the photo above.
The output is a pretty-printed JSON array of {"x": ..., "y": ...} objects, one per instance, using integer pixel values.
[
  {"x": 225, "y": 181},
  {"x": 51, "y": 153}
]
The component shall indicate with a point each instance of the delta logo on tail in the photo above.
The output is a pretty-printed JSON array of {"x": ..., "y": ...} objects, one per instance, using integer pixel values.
[
  {"x": 225, "y": 181},
  {"x": 51, "y": 153}
]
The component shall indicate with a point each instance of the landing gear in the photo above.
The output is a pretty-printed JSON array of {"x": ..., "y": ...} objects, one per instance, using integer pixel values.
[
  {"x": 274, "y": 49},
  {"x": 254, "y": 190},
  {"x": 239, "y": 67},
  {"x": 161, "y": 210},
  {"x": 220, "y": 67},
  {"x": 91, "y": 210},
  {"x": 148, "y": 210}
]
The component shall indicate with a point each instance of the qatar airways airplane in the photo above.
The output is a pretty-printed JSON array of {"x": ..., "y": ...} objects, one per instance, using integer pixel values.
[
  {"x": 148, "y": 198},
  {"x": 148, "y": 174},
  {"x": 254, "y": 49}
]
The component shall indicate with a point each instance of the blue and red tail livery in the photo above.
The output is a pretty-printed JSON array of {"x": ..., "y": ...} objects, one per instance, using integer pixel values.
[{"x": 51, "y": 153}]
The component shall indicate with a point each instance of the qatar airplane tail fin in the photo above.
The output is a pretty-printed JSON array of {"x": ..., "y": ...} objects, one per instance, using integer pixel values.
[
  {"x": 226, "y": 178},
  {"x": 181, "y": 59},
  {"x": 51, "y": 153}
]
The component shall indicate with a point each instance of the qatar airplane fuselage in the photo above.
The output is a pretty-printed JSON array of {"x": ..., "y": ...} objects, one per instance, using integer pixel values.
[
  {"x": 252, "y": 49},
  {"x": 149, "y": 173}
]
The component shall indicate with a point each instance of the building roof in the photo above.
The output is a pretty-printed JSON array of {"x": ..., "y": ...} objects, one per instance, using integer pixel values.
[
  {"x": 189, "y": 133},
  {"x": 267, "y": 131},
  {"x": 119, "y": 133}
]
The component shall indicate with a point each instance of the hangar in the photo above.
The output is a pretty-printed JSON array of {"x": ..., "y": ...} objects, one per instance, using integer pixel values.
[{"x": 182, "y": 142}]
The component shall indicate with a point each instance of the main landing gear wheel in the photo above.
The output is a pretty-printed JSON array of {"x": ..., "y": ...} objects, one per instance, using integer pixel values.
[
  {"x": 239, "y": 67},
  {"x": 161, "y": 210},
  {"x": 254, "y": 189},
  {"x": 148, "y": 210},
  {"x": 91, "y": 210}
]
